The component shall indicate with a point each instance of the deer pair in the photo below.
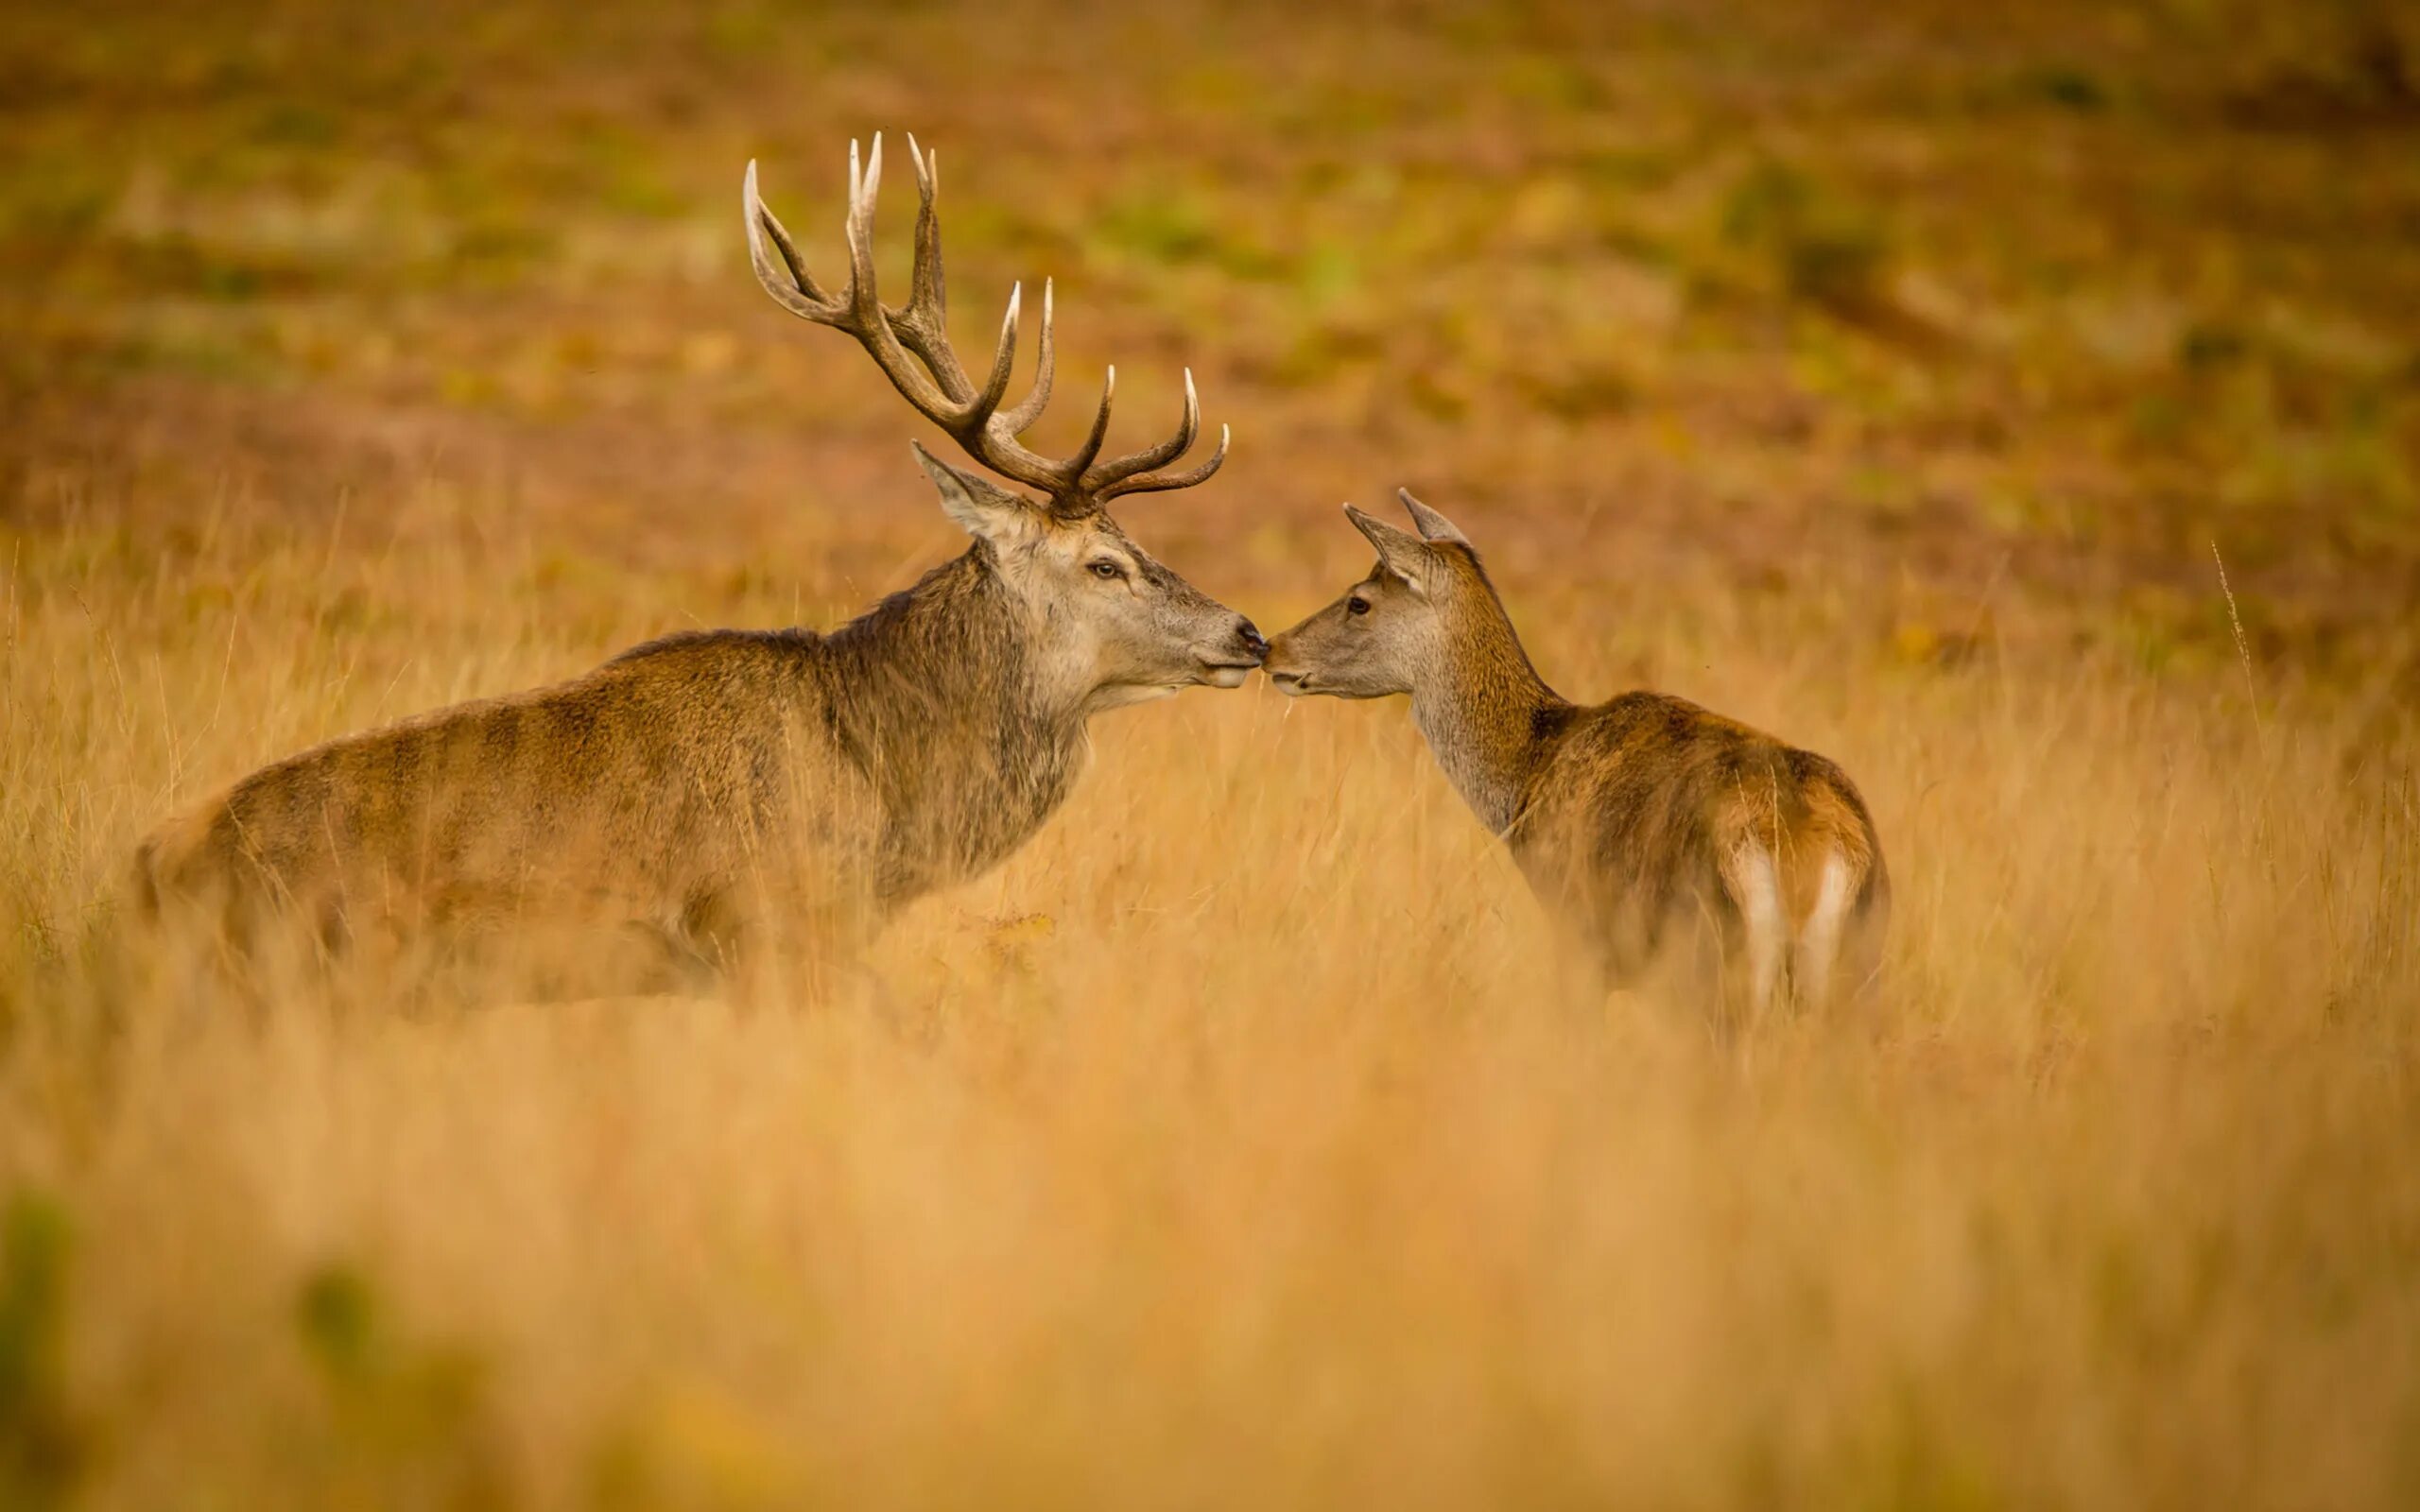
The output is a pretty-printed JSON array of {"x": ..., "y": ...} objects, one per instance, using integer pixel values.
[{"x": 706, "y": 789}]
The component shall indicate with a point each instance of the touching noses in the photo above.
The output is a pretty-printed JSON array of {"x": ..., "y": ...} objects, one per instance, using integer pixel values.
[{"x": 1254, "y": 642}]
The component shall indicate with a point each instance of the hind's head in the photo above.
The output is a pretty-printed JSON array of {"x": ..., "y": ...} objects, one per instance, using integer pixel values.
[{"x": 1425, "y": 600}]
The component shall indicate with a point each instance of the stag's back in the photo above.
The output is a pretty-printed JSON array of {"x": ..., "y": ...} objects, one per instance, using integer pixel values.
[{"x": 645, "y": 789}]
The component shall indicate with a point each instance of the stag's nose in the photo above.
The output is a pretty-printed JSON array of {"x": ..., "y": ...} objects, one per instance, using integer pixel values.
[{"x": 1253, "y": 640}]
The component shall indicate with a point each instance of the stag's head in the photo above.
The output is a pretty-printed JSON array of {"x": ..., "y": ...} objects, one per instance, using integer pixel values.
[
  {"x": 1423, "y": 606},
  {"x": 1118, "y": 623}
]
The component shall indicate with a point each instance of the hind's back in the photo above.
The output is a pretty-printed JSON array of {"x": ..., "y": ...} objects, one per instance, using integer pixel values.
[{"x": 1655, "y": 820}]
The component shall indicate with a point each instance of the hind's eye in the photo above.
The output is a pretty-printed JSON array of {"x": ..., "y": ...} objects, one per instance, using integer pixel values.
[
  {"x": 1107, "y": 571},
  {"x": 1357, "y": 604}
]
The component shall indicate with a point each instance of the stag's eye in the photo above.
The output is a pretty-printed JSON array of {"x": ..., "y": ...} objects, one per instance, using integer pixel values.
[
  {"x": 1357, "y": 604},
  {"x": 1107, "y": 571}
]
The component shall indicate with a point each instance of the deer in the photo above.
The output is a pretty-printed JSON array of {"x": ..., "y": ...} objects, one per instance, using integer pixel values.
[
  {"x": 707, "y": 789},
  {"x": 1657, "y": 830}
]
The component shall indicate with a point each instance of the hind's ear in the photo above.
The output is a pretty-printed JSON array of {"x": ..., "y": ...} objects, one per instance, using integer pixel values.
[
  {"x": 1433, "y": 526},
  {"x": 981, "y": 507},
  {"x": 1400, "y": 552}
]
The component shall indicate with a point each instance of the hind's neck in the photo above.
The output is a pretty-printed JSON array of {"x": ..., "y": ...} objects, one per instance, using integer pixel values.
[{"x": 1487, "y": 715}]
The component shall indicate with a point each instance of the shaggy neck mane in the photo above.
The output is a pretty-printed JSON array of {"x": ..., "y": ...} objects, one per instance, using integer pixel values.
[
  {"x": 958, "y": 639},
  {"x": 947, "y": 713}
]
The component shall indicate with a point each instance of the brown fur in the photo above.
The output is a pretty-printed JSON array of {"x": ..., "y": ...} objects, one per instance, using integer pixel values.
[
  {"x": 1630, "y": 817},
  {"x": 694, "y": 786},
  {"x": 665, "y": 788},
  {"x": 1631, "y": 807}
]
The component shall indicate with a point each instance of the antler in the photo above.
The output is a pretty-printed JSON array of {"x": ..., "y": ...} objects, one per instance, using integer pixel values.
[{"x": 937, "y": 382}]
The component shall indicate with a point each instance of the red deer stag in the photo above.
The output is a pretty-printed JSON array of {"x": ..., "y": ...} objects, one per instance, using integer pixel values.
[{"x": 710, "y": 787}]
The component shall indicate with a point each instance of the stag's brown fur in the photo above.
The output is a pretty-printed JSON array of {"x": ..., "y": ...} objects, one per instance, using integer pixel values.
[
  {"x": 685, "y": 786},
  {"x": 1647, "y": 822},
  {"x": 704, "y": 785}
]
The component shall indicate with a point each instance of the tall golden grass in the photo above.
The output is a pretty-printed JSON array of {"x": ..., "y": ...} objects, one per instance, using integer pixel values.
[
  {"x": 1245, "y": 1140},
  {"x": 1877, "y": 375}
]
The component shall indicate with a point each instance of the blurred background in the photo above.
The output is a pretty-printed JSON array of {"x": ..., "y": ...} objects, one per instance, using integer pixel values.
[
  {"x": 1908, "y": 300},
  {"x": 1899, "y": 376}
]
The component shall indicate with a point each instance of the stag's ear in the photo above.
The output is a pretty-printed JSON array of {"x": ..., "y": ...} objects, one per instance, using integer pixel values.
[
  {"x": 981, "y": 507},
  {"x": 1400, "y": 552},
  {"x": 1433, "y": 526}
]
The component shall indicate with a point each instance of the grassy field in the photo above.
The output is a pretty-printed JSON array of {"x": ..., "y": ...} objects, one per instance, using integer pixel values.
[{"x": 1897, "y": 382}]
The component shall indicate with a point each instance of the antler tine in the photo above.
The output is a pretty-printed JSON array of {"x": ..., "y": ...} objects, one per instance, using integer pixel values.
[
  {"x": 1019, "y": 417},
  {"x": 922, "y": 325},
  {"x": 798, "y": 293},
  {"x": 863, "y": 182},
  {"x": 1004, "y": 360},
  {"x": 927, "y": 287},
  {"x": 1162, "y": 482},
  {"x": 1117, "y": 469},
  {"x": 1081, "y": 462}
]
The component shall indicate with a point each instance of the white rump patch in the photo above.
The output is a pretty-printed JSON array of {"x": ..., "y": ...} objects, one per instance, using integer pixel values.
[
  {"x": 1819, "y": 941},
  {"x": 1757, "y": 885}
]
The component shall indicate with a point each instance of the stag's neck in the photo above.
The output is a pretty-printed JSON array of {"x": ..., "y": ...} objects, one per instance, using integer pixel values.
[
  {"x": 1488, "y": 718},
  {"x": 958, "y": 640},
  {"x": 941, "y": 694}
]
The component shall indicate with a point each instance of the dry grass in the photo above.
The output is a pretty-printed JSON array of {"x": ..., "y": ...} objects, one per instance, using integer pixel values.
[
  {"x": 1241, "y": 1142},
  {"x": 1245, "y": 1141}
]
